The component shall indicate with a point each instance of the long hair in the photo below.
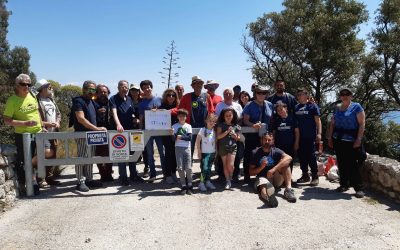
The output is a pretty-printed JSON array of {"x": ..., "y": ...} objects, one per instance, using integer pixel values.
[
  {"x": 240, "y": 99},
  {"x": 164, "y": 96},
  {"x": 221, "y": 118}
]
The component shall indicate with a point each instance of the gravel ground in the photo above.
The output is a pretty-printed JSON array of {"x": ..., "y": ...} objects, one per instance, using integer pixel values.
[{"x": 155, "y": 216}]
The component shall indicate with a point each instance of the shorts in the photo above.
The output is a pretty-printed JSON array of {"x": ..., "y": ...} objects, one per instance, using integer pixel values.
[
  {"x": 225, "y": 149},
  {"x": 277, "y": 180}
]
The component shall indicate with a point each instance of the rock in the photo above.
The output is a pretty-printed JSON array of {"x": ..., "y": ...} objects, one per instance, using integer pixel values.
[
  {"x": 9, "y": 186},
  {"x": 7, "y": 149},
  {"x": 392, "y": 194},
  {"x": 2, "y": 177},
  {"x": 2, "y": 192}
]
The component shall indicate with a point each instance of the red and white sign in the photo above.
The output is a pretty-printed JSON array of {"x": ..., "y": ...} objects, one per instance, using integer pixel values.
[{"x": 119, "y": 146}]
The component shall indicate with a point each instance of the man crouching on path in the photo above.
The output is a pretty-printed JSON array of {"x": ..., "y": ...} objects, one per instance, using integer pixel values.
[{"x": 271, "y": 167}]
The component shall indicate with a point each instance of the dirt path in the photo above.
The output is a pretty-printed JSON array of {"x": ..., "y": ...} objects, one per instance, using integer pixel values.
[{"x": 155, "y": 216}]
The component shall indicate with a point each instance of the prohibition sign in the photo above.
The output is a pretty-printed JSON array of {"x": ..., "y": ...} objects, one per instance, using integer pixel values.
[{"x": 118, "y": 141}]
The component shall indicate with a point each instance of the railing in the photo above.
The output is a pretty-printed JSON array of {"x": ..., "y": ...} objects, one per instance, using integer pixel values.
[{"x": 72, "y": 160}]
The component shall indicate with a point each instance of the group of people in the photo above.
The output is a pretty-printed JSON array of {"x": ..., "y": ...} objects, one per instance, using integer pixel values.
[{"x": 292, "y": 125}]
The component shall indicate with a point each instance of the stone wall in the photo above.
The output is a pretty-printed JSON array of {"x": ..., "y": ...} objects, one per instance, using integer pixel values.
[
  {"x": 7, "y": 176},
  {"x": 383, "y": 175}
]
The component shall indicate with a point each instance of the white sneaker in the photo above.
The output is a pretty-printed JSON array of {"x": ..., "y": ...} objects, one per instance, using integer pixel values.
[
  {"x": 169, "y": 180},
  {"x": 209, "y": 185},
  {"x": 228, "y": 185},
  {"x": 202, "y": 187}
]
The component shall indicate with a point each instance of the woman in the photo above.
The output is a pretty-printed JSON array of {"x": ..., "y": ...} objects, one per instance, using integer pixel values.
[
  {"x": 244, "y": 98},
  {"x": 170, "y": 102},
  {"x": 345, "y": 136},
  {"x": 255, "y": 114},
  {"x": 22, "y": 112}
]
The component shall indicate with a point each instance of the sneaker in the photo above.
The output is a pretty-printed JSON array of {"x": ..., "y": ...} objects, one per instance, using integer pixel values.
[
  {"x": 107, "y": 178},
  {"x": 151, "y": 179},
  {"x": 315, "y": 181},
  {"x": 82, "y": 187},
  {"x": 359, "y": 194},
  {"x": 271, "y": 200},
  {"x": 123, "y": 181},
  {"x": 303, "y": 179},
  {"x": 169, "y": 180},
  {"x": 209, "y": 185},
  {"x": 341, "y": 189},
  {"x": 94, "y": 184},
  {"x": 183, "y": 190},
  {"x": 136, "y": 178},
  {"x": 36, "y": 190},
  {"x": 189, "y": 190},
  {"x": 228, "y": 185},
  {"x": 235, "y": 178},
  {"x": 43, "y": 184},
  {"x": 289, "y": 195},
  {"x": 202, "y": 187},
  {"x": 146, "y": 172}
]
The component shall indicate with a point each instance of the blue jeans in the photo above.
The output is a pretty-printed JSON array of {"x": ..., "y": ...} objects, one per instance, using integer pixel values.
[
  {"x": 122, "y": 170},
  {"x": 307, "y": 157},
  {"x": 150, "y": 154}
]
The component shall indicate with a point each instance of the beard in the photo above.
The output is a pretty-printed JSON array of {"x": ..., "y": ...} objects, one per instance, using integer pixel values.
[
  {"x": 280, "y": 91},
  {"x": 102, "y": 99},
  {"x": 51, "y": 95},
  {"x": 266, "y": 146}
]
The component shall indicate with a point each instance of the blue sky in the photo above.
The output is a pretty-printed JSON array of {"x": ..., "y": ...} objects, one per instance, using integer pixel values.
[{"x": 106, "y": 41}]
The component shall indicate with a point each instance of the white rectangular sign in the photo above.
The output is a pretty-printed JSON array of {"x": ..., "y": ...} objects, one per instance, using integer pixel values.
[
  {"x": 137, "y": 141},
  {"x": 159, "y": 119},
  {"x": 119, "y": 146}
]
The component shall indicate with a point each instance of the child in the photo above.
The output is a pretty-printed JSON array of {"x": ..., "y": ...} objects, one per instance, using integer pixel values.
[
  {"x": 308, "y": 117},
  {"x": 183, "y": 136},
  {"x": 228, "y": 133},
  {"x": 205, "y": 143}
]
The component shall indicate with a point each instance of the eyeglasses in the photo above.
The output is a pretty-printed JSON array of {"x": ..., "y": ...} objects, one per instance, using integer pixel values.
[
  {"x": 261, "y": 92},
  {"x": 25, "y": 84},
  {"x": 171, "y": 95},
  {"x": 345, "y": 94},
  {"x": 91, "y": 90}
]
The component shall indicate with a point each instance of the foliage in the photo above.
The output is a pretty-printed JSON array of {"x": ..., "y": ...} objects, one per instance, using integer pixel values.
[
  {"x": 63, "y": 98},
  {"x": 308, "y": 39},
  {"x": 385, "y": 39}
]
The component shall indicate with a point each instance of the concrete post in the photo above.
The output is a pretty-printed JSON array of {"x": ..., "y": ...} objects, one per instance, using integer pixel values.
[{"x": 27, "y": 141}]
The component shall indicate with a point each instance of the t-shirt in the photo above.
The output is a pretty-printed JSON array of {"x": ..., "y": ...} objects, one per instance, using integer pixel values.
[
  {"x": 228, "y": 140},
  {"x": 199, "y": 110},
  {"x": 286, "y": 98},
  {"x": 208, "y": 138},
  {"x": 23, "y": 109},
  {"x": 222, "y": 105},
  {"x": 125, "y": 110},
  {"x": 346, "y": 124},
  {"x": 148, "y": 104},
  {"x": 87, "y": 106},
  {"x": 272, "y": 157},
  {"x": 305, "y": 114},
  {"x": 102, "y": 118},
  {"x": 215, "y": 99},
  {"x": 174, "y": 118},
  {"x": 185, "y": 131},
  {"x": 49, "y": 111},
  {"x": 284, "y": 130},
  {"x": 262, "y": 113}
]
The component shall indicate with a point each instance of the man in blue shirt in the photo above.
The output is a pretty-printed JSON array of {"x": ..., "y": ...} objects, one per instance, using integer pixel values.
[
  {"x": 282, "y": 96},
  {"x": 150, "y": 102},
  {"x": 309, "y": 123},
  {"x": 122, "y": 112}
]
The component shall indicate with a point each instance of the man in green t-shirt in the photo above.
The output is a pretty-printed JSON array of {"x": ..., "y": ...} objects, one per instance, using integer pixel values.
[{"x": 22, "y": 113}]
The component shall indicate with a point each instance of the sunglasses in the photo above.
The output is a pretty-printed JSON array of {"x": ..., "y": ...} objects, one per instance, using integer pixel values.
[
  {"x": 261, "y": 92},
  {"x": 49, "y": 87},
  {"x": 171, "y": 95},
  {"x": 25, "y": 84},
  {"x": 345, "y": 94},
  {"x": 91, "y": 90}
]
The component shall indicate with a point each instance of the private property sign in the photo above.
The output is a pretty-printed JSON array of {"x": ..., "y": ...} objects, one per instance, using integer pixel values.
[
  {"x": 96, "y": 138},
  {"x": 119, "y": 146}
]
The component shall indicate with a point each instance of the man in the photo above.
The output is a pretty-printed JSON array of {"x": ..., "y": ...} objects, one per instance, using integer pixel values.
[
  {"x": 282, "y": 96},
  {"x": 150, "y": 102},
  {"x": 236, "y": 90},
  {"x": 198, "y": 105},
  {"x": 309, "y": 123},
  {"x": 211, "y": 86},
  {"x": 103, "y": 120},
  {"x": 122, "y": 112},
  {"x": 253, "y": 88},
  {"x": 85, "y": 120},
  {"x": 271, "y": 167},
  {"x": 179, "y": 90},
  {"x": 51, "y": 118},
  {"x": 229, "y": 103}
]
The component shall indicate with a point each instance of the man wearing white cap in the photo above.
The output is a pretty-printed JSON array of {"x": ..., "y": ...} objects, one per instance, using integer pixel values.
[{"x": 51, "y": 117}]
